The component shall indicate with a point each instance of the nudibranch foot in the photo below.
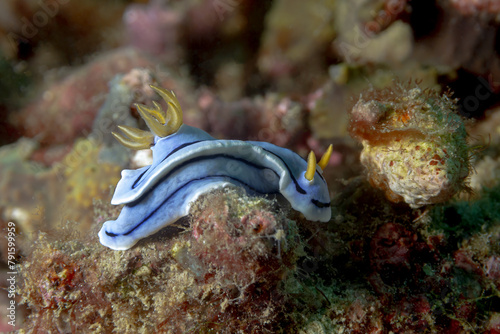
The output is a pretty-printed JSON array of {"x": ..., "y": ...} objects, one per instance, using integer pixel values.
[
  {"x": 127, "y": 230},
  {"x": 188, "y": 162}
]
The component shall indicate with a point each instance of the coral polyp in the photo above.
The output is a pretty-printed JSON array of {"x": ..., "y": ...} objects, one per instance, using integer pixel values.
[{"x": 414, "y": 144}]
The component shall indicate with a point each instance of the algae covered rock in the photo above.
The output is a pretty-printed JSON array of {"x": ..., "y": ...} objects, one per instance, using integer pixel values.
[
  {"x": 224, "y": 273},
  {"x": 414, "y": 144}
]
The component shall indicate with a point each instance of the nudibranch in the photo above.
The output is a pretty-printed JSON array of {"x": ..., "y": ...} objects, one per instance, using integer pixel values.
[{"x": 188, "y": 162}]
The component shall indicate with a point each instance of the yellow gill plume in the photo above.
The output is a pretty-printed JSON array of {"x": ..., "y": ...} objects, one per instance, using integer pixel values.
[
  {"x": 158, "y": 121},
  {"x": 134, "y": 138}
]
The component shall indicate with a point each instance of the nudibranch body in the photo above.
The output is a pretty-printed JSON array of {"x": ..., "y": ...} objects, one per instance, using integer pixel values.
[{"x": 188, "y": 162}]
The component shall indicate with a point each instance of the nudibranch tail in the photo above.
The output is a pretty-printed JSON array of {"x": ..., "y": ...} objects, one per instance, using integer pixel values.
[
  {"x": 311, "y": 166},
  {"x": 134, "y": 138},
  {"x": 325, "y": 158}
]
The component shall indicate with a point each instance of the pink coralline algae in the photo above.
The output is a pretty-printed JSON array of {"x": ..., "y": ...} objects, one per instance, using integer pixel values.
[
  {"x": 74, "y": 101},
  {"x": 493, "y": 269},
  {"x": 469, "y": 7},
  {"x": 237, "y": 244},
  {"x": 224, "y": 274},
  {"x": 154, "y": 29},
  {"x": 390, "y": 250},
  {"x": 275, "y": 119}
]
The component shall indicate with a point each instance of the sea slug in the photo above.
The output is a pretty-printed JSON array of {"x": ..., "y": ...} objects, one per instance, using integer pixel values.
[{"x": 188, "y": 162}]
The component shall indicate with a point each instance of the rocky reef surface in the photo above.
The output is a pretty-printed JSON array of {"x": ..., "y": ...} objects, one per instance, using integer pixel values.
[{"x": 406, "y": 91}]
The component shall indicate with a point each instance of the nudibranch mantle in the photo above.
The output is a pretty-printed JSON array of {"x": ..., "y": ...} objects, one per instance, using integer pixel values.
[{"x": 189, "y": 162}]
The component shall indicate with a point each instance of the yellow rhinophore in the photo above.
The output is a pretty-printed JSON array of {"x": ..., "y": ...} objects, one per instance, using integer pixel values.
[
  {"x": 311, "y": 166},
  {"x": 325, "y": 158},
  {"x": 311, "y": 163}
]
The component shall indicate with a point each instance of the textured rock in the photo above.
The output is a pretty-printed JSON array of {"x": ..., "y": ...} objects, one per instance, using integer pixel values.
[{"x": 414, "y": 144}]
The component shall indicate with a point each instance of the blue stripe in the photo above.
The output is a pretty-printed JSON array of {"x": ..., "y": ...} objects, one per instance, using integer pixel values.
[
  {"x": 200, "y": 158},
  {"x": 173, "y": 151},
  {"x": 176, "y": 191}
]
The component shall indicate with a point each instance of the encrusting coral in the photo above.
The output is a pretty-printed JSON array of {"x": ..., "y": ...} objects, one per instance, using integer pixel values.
[{"x": 414, "y": 144}]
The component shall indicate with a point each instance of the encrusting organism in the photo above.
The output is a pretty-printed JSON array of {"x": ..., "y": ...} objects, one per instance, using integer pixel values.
[
  {"x": 188, "y": 162},
  {"x": 414, "y": 144}
]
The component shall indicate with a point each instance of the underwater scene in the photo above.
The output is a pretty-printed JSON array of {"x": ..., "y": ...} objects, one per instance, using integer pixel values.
[{"x": 246, "y": 166}]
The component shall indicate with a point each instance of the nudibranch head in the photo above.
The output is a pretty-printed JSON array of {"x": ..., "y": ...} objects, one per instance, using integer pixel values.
[{"x": 188, "y": 162}]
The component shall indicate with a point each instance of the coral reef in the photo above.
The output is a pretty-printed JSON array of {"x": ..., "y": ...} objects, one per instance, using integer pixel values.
[
  {"x": 285, "y": 53},
  {"x": 75, "y": 100},
  {"x": 88, "y": 181},
  {"x": 25, "y": 188},
  {"x": 396, "y": 270},
  {"x": 474, "y": 50},
  {"x": 272, "y": 118},
  {"x": 414, "y": 144},
  {"x": 455, "y": 34},
  {"x": 64, "y": 192},
  {"x": 414, "y": 254},
  {"x": 360, "y": 30},
  {"x": 48, "y": 30},
  {"x": 74, "y": 174},
  {"x": 468, "y": 7},
  {"x": 225, "y": 273},
  {"x": 487, "y": 173},
  {"x": 155, "y": 29}
]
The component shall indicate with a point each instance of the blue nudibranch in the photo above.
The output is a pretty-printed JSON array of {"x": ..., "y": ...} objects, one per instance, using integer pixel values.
[{"x": 188, "y": 162}]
